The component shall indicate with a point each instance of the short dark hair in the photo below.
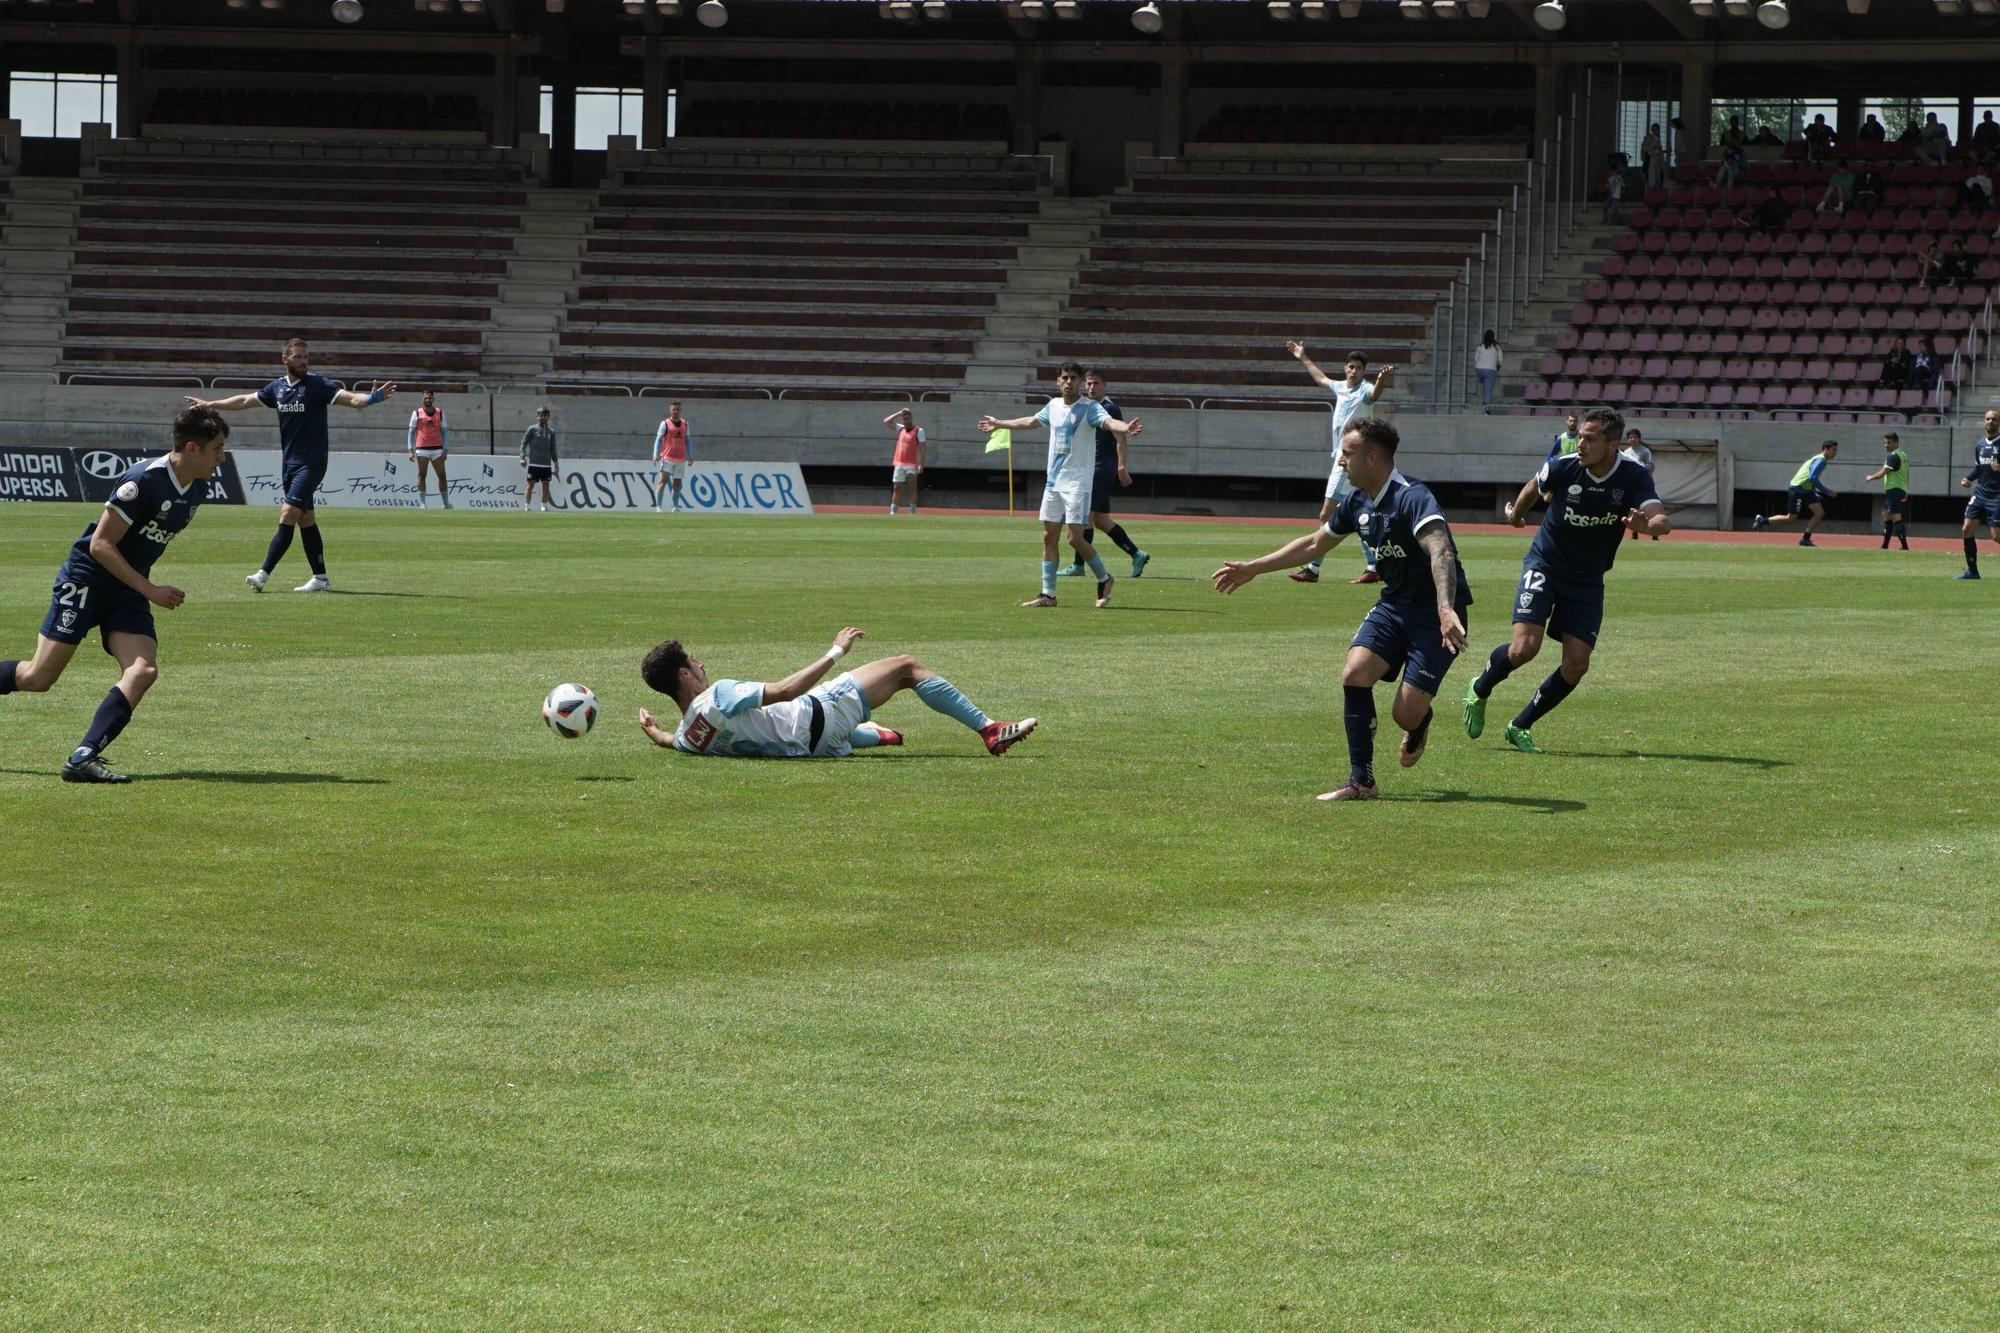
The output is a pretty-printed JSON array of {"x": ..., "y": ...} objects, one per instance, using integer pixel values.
[
  {"x": 1825, "y": 445},
  {"x": 198, "y": 425},
  {"x": 1072, "y": 367},
  {"x": 1356, "y": 356},
  {"x": 1892, "y": 437},
  {"x": 1376, "y": 433},
  {"x": 290, "y": 343},
  {"x": 1610, "y": 418},
  {"x": 1630, "y": 431},
  {"x": 662, "y": 667}
]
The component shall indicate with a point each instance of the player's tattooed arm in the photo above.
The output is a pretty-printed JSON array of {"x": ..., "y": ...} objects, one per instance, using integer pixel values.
[
  {"x": 1235, "y": 573},
  {"x": 1650, "y": 520},
  {"x": 1444, "y": 574}
]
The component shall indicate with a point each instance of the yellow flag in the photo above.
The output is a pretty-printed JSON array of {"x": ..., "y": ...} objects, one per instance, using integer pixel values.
[{"x": 1000, "y": 439}]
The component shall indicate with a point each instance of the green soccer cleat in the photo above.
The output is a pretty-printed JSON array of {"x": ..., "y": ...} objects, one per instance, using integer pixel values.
[
  {"x": 1073, "y": 570},
  {"x": 1139, "y": 563},
  {"x": 1519, "y": 738},
  {"x": 1475, "y": 712}
]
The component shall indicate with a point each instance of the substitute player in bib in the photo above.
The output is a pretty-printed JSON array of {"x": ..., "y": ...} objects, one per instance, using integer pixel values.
[
  {"x": 673, "y": 450},
  {"x": 1595, "y": 496},
  {"x": 789, "y": 719},
  {"x": 1066, "y": 501},
  {"x": 300, "y": 399},
  {"x": 1984, "y": 481},
  {"x": 106, "y": 584},
  {"x": 1894, "y": 474},
  {"x": 1353, "y": 398},
  {"x": 908, "y": 463},
  {"x": 429, "y": 442},
  {"x": 1806, "y": 498},
  {"x": 1416, "y": 627},
  {"x": 1111, "y": 473}
]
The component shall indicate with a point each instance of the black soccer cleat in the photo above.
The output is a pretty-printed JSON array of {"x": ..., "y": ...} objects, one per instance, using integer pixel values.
[{"x": 90, "y": 770}]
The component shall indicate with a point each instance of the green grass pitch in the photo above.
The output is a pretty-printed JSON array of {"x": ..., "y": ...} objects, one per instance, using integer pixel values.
[{"x": 377, "y": 1005}]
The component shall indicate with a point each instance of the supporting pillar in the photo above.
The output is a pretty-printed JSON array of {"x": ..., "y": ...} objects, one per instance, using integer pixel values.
[
  {"x": 1027, "y": 97},
  {"x": 1548, "y": 95},
  {"x": 562, "y": 133},
  {"x": 1172, "y": 134},
  {"x": 1847, "y": 118},
  {"x": 1963, "y": 139},
  {"x": 506, "y": 86},
  {"x": 131, "y": 104},
  {"x": 653, "y": 116},
  {"x": 1697, "y": 81}
]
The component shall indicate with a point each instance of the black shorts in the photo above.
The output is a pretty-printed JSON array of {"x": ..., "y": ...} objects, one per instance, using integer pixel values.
[
  {"x": 1103, "y": 485},
  {"x": 302, "y": 482},
  {"x": 536, "y": 473},
  {"x": 1799, "y": 501},
  {"x": 76, "y": 608},
  {"x": 1894, "y": 501}
]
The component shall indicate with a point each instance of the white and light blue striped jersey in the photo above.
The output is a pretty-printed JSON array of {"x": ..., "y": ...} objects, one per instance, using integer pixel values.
[
  {"x": 731, "y": 718},
  {"x": 1070, "y": 467},
  {"x": 1349, "y": 404}
]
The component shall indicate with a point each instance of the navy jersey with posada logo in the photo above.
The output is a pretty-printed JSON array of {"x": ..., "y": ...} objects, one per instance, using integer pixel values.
[
  {"x": 1584, "y": 526},
  {"x": 155, "y": 505},
  {"x": 1985, "y": 474},
  {"x": 301, "y": 406},
  {"x": 1388, "y": 523}
]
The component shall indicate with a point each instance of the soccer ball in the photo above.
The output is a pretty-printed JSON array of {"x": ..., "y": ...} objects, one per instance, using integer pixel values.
[{"x": 570, "y": 710}]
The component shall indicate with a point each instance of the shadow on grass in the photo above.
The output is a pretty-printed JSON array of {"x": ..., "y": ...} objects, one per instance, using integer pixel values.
[
  {"x": 604, "y": 778},
  {"x": 428, "y": 596},
  {"x": 1746, "y": 760},
  {"x": 1546, "y": 805},
  {"x": 1165, "y": 610},
  {"x": 258, "y": 779}
]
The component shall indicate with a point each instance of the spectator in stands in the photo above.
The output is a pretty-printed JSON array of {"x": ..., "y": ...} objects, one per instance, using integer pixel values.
[
  {"x": 428, "y": 444},
  {"x": 1911, "y": 133},
  {"x": 1977, "y": 192},
  {"x": 1896, "y": 368},
  {"x": 1653, "y": 157},
  {"x": 1487, "y": 367},
  {"x": 1635, "y": 449},
  {"x": 1934, "y": 143},
  {"x": 1819, "y": 138},
  {"x": 1735, "y": 168},
  {"x": 1839, "y": 190},
  {"x": 1566, "y": 442},
  {"x": 1767, "y": 138},
  {"x": 539, "y": 456},
  {"x": 1768, "y": 216},
  {"x": 1868, "y": 189},
  {"x": 1871, "y": 130},
  {"x": 1924, "y": 369},
  {"x": 1986, "y": 139},
  {"x": 1955, "y": 268},
  {"x": 1927, "y": 258},
  {"x": 1733, "y": 136},
  {"x": 1614, "y": 193}
]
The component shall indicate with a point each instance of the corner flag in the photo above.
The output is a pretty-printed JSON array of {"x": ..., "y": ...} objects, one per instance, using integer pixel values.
[{"x": 1003, "y": 438}]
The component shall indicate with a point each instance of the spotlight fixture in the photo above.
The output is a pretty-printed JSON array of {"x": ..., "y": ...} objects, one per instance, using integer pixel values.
[
  {"x": 1703, "y": 9},
  {"x": 1773, "y": 14},
  {"x": 903, "y": 11},
  {"x": 634, "y": 8},
  {"x": 1549, "y": 16},
  {"x": 347, "y": 11},
  {"x": 1986, "y": 6},
  {"x": 1315, "y": 10},
  {"x": 440, "y": 6},
  {"x": 239, "y": 4},
  {"x": 936, "y": 9},
  {"x": 553, "y": 6},
  {"x": 1282, "y": 11},
  {"x": 1857, "y": 6},
  {"x": 1737, "y": 9},
  {"x": 1350, "y": 9},
  {"x": 1478, "y": 9},
  {"x": 1447, "y": 9},
  {"x": 713, "y": 13},
  {"x": 267, "y": 4},
  {"x": 1147, "y": 18},
  {"x": 472, "y": 6},
  {"x": 1413, "y": 9},
  {"x": 1950, "y": 8},
  {"x": 1068, "y": 9},
  {"x": 1032, "y": 9},
  {"x": 668, "y": 9}
]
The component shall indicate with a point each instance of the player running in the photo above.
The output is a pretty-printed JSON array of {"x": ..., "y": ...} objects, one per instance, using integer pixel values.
[
  {"x": 1111, "y": 473},
  {"x": 672, "y": 452},
  {"x": 1595, "y": 496},
  {"x": 1894, "y": 474},
  {"x": 429, "y": 444},
  {"x": 1353, "y": 398},
  {"x": 1807, "y": 497},
  {"x": 1417, "y": 627},
  {"x": 1984, "y": 506},
  {"x": 908, "y": 463},
  {"x": 1066, "y": 501},
  {"x": 105, "y": 584},
  {"x": 300, "y": 400},
  {"x": 792, "y": 720}
]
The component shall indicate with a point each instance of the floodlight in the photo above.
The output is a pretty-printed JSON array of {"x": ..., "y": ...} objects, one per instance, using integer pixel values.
[
  {"x": 1315, "y": 10},
  {"x": 904, "y": 11},
  {"x": 669, "y": 9},
  {"x": 472, "y": 6},
  {"x": 1549, "y": 16},
  {"x": 1282, "y": 11},
  {"x": 1350, "y": 9},
  {"x": 1147, "y": 18},
  {"x": 1068, "y": 9},
  {"x": 634, "y": 8},
  {"x": 1986, "y": 6},
  {"x": 347, "y": 11},
  {"x": 1413, "y": 9},
  {"x": 1950, "y": 7},
  {"x": 1737, "y": 9},
  {"x": 1703, "y": 9},
  {"x": 1773, "y": 14},
  {"x": 712, "y": 13},
  {"x": 1857, "y": 6},
  {"x": 239, "y": 4},
  {"x": 1033, "y": 9},
  {"x": 936, "y": 9},
  {"x": 1478, "y": 9}
]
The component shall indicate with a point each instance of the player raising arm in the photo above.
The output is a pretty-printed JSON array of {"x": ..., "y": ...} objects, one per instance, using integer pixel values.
[
  {"x": 1417, "y": 627},
  {"x": 789, "y": 719},
  {"x": 1353, "y": 398}
]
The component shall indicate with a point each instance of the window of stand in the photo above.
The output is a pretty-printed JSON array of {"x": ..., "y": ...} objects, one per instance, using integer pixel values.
[
  {"x": 603, "y": 112},
  {"x": 51, "y": 105}
]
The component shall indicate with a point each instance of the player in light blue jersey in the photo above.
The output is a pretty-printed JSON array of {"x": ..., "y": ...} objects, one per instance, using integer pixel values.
[
  {"x": 790, "y": 719},
  {"x": 1353, "y": 399},
  {"x": 300, "y": 399},
  {"x": 1072, "y": 466}
]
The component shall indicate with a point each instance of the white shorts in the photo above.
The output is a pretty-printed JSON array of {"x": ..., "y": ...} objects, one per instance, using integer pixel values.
[
  {"x": 1063, "y": 506},
  {"x": 901, "y": 472},
  {"x": 432, "y": 454},
  {"x": 678, "y": 471},
  {"x": 844, "y": 708},
  {"x": 1336, "y": 483}
]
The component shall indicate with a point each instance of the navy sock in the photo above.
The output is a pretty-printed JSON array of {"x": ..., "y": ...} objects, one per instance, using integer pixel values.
[
  {"x": 112, "y": 715},
  {"x": 7, "y": 670},
  {"x": 1902, "y": 532},
  {"x": 281, "y": 542},
  {"x": 1089, "y": 539},
  {"x": 1547, "y": 695},
  {"x": 1359, "y": 715},
  {"x": 1972, "y": 554},
  {"x": 315, "y": 549},
  {"x": 1499, "y": 666},
  {"x": 1888, "y": 531},
  {"x": 1118, "y": 538}
]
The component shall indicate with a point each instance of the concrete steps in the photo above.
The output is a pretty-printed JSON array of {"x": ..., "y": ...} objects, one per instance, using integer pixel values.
[
  {"x": 542, "y": 279},
  {"x": 35, "y": 248},
  {"x": 1016, "y": 335}
]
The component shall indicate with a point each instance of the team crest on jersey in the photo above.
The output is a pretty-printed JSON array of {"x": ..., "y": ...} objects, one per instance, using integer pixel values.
[
  {"x": 1575, "y": 489},
  {"x": 1363, "y": 520},
  {"x": 129, "y": 491},
  {"x": 166, "y": 506},
  {"x": 1618, "y": 497},
  {"x": 68, "y": 619}
]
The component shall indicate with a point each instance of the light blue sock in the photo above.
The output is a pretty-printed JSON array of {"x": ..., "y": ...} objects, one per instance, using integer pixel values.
[
  {"x": 863, "y": 738},
  {"x": 1097, "y": 568},
  {"x": 942, "y": 696},
  {"x": 1048, "y": 578}
]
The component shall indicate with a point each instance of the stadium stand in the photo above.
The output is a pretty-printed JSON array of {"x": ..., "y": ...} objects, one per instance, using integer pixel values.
[
  {"x": 300, "y": 108},
  {"x": 1397, "y": 124},
  {"x": 189, "y": 258},
  {"x": 879, "y": 121},
  {"x": 1699, "y": 314}
]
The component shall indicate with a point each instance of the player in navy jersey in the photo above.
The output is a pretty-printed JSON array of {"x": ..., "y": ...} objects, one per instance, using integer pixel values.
[
  {"x": 1595, "y": 496},
  {"x": 1984, "y": 482},
  {"x": 1110, "y": 474},
  {"x": 106, "y": 584},
  {"x": 300, "y": 399},
  {"x": 1418, "y": 625}
]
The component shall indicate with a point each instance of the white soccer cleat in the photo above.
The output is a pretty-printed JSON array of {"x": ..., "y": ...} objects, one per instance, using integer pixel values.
[
  {"x": 257, "y": 580},
  {"x": 317, "y": 583}
]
